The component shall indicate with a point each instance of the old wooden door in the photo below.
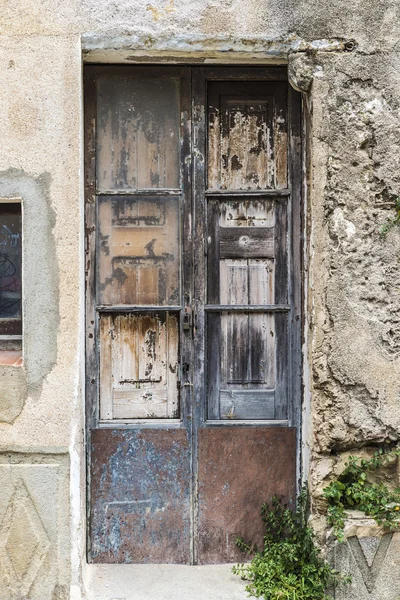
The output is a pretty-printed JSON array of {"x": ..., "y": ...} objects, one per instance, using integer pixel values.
[{"x": 193, "y": 307}]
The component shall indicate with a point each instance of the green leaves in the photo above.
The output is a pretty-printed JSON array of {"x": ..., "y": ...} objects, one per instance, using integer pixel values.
[
  {"x": 290, "y": 566},
  {"x": 391, "y": 221},
  {"x": 352, "y": 490}
]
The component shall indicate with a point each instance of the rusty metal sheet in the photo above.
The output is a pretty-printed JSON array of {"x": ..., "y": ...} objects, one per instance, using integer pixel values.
[
  {"x": 140, "y": 496},
  {"x": 239, "y": 469}
]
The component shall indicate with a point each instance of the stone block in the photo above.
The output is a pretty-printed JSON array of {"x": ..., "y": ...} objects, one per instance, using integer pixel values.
[
  {"x": 34, "y": 526},
  {"x": 370, "y": 554},
  {"x": 12, "y": 392}
]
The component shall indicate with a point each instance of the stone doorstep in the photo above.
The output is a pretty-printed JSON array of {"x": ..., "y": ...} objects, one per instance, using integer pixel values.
[{"x": 162, "y": 582}]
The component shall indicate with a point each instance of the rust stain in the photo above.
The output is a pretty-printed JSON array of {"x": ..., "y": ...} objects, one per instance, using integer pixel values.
[{"x": 239, "y": 469}]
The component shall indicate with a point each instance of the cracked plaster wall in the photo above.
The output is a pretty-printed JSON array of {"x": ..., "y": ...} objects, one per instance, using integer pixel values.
[
  {"x": 353, "y": 128},
  {"x": 354, "y": 350}
]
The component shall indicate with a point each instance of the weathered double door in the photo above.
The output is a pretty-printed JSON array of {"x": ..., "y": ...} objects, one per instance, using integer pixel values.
[{"x": 193, "y": 307}]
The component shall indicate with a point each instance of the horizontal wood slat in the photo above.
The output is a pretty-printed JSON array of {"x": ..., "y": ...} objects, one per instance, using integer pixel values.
[
  {"x": 246, "y": 242},
  {"x": 247, "y": 404},
  {"x": 247, "y": 308},
  {"x": 270, "y": 193}
]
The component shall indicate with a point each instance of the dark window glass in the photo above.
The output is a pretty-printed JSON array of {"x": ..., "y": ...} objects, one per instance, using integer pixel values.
[{"x": 10, "y": 269}]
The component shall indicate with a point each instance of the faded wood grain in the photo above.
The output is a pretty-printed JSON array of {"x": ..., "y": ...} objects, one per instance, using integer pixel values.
[
  {"x": 240, "y": 137},
  {"x": 138, "y": 133},
  {"x": 247, "y": 212},
  {"x": 247, "y": 136},
  {"x": 138, "y": 251},
  {"x": 242, "y": 242},
  {"x": 247, "y": 404},
  {"x": 139, "y": 366},
  {"x": 106, "y": 371},
  {"x": 140, "y": 404},
  {"x": 280, "y": 133}
]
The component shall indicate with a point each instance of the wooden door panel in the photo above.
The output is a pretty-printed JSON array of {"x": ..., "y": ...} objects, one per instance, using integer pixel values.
[
  {"x": 239, "y": 235},
  {"x": 239, "y": 470},
  {"x": 247, "y": 135},
  {"x": 138, "y": 251},
  {"x": 138, "y": 132},
  {"x": 139, "y": 363},
  {"x": 245, "y": 250},
  {"x": 140, "y": 490}
]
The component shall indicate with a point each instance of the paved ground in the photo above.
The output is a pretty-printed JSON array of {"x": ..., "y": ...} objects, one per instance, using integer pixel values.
[{"x": 163, "y": 582}]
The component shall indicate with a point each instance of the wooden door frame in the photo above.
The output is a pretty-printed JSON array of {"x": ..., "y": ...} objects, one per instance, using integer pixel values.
[{"x": 194, "y": 145}]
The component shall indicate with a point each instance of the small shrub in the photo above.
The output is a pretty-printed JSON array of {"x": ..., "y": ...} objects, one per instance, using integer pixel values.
[
  {"x": 391, "y": 221},
  {"x": 352, "y": 490},
  {"x": 290, "y": 566}
]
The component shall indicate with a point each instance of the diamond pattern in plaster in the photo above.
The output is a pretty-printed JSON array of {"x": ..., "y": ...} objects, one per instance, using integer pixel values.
[
  {"x": 24, "y": 543},
  {"x": 370, "y": 559},
  {"x": 369, "y": 546}
]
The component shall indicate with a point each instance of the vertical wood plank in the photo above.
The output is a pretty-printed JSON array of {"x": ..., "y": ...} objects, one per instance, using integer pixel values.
[
  {"x": 186, "y": 241},
  {"x": 92, "y": 381},
  {"x": 235, "y": 327},
  {"x": 281, "y": 254},
  {"x": 106, "y": 335},
  {"x": 281, "y": 147},
  {"x": 282, "y": 371},
  {"x": 213, "y": 252},
  {"x": 199, "y": 103},
  {"x": 214, "y": 137},
  {"x": 215, "y": 347},
  {"x": 172, "y": 366},
  {"x": 215, "y": 355},
  {"x": 296, "y": 237},
  {"x": 262, "y": 339}
]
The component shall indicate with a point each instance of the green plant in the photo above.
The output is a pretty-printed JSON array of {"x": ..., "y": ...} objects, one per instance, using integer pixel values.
[
  {"x": 290, "y": 566},
  {"x": 353, "y": 490},
  {"x": 391, "y": 221}
]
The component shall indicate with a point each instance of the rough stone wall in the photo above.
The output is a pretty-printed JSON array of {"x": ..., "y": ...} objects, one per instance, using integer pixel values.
[
  {"x": 354, "y": 354},
  {"x": 352, "y": 101}
]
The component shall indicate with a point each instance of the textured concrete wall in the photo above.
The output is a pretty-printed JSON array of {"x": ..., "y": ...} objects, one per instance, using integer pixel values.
[{"x": 346, "y": 58}]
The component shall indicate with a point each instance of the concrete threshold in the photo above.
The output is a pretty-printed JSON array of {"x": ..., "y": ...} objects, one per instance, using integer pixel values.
[{"x": 162, "y": 582}]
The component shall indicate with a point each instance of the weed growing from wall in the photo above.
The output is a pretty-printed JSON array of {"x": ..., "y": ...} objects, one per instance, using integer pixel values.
[
  {"x": 353, "y": 490},
  {"x": 391, "y": 221}
]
